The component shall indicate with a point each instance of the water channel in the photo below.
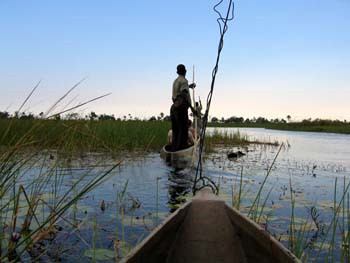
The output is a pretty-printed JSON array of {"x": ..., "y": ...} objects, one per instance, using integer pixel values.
[{"x": 144, "y": 190}]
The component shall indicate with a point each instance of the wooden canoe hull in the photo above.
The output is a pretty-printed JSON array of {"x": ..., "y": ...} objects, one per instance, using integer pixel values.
[
  {"x": 180, "y": 159},
  {"x": 208, "y": 230}
]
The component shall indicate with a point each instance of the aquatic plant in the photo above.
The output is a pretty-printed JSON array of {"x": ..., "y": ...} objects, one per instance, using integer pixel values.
[
  {"x": 256, "y": 210},
  {"x": 35, "y": 191},
  {"x": 309, "y": 238}
]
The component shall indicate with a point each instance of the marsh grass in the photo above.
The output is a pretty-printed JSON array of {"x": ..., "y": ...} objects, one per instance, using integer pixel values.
[
  {"x": 32, "y": 206},
  {"x": 87, "y": 136},
  {"x": 81, "y": 136},
  {"x": 219, "y": 138}
]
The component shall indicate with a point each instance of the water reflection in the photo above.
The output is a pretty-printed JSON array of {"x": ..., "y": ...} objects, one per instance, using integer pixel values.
[{"x": 179, "y": 185}]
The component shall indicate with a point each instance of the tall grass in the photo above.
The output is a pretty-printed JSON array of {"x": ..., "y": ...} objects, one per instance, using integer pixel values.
[
  {"x": 88, "y": 135},
  {"x": 256, "y": 209},
  {"x": 108, "y": 135},
  {"x": 33, "y": 205}
]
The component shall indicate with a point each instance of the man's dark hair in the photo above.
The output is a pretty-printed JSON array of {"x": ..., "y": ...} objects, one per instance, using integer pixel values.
[{"x": 181, "y": 69}]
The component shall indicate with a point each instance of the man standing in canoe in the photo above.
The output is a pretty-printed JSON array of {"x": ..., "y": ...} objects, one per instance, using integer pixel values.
[{"x": 179, "y": 110}]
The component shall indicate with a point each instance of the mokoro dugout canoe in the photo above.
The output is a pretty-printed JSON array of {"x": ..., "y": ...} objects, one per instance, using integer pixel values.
[
  {"x": 182, "y": 158},
  {"x": 206, "y": 229}
]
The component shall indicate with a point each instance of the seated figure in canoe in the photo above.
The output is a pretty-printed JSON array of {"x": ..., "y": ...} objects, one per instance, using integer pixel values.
[
  {"x": 185, "y": 156},
  {"x": 190, "y": 137}
]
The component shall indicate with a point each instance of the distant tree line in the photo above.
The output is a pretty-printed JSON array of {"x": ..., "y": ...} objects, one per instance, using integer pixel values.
[
  {"x": 262, "y": 120},
  {"x": 17, "y": 115},
  {"x": 259, "y": 120},
  {"x": 92, "y": 116}
]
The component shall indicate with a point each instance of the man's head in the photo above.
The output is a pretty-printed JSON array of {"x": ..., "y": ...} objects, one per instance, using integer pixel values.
[{"x": 181, "y": 69}]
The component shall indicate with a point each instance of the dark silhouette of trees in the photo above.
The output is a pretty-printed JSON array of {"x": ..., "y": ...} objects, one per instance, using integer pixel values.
[
  {"x": 166, "y": 118},
  {"x": 234, "y": 119},
  {"x": 92, "y": 116},
  {"x": 4, "y": 115},
  {"x": 214, "y": 119},
  {"x": 106, "y": 117}
]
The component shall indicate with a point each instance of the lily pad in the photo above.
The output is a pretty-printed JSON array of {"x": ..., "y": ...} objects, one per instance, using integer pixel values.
[{"x": 100, "y": 254}]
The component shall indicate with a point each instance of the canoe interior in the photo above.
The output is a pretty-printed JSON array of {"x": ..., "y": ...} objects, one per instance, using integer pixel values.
[
  {"x": 207, "y": 230},
  {"x": 167, "y": 147},
  {"x": 179, "y": 159}
]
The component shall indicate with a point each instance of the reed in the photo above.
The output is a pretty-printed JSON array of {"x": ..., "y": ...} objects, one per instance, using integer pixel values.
[
  {"x": 308, "y": 237},
  {"x": 255, "y": 207},
  {"x": 300, "y": 240},
  {"x": 336, "y": 227},
  {"x": 101, "y": 136},
  {"x": 28, "y": 207}
]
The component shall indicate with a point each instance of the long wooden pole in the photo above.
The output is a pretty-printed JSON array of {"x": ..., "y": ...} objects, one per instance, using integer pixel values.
[
  {"x": 194, "y": 106},
  {"x": 194, "y": 122}
]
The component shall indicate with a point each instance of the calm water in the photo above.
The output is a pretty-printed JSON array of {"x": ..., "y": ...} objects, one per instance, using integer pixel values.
[
  {"x": 311, "y": 160},
  {"x": 314, "y": 147}
]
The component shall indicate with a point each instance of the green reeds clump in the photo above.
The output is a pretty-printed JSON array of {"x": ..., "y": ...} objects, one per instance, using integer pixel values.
[
  {"x": 34, "y": 192},
  {"x": 101, "y": 135},
  {"x": 335, "y": 241},
  {"x": 86, "y": 135},
  {"x": 224, "y": 138},
  {"x": 311, "y": 238}
]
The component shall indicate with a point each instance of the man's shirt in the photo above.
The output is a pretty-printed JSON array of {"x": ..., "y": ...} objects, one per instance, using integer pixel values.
[{"x": 180, "y": 87}]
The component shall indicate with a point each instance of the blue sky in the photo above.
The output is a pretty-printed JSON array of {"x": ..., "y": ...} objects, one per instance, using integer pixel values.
[{"x": 279, "y": 58}]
